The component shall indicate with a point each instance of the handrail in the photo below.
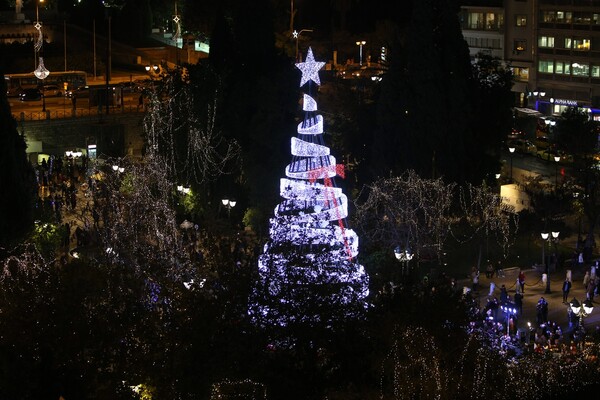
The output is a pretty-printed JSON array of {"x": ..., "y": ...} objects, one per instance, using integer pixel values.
[{"x": 77, "y": 113}]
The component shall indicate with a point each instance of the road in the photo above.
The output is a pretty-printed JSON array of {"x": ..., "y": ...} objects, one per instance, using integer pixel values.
[
  {"x": 61, "y": 104},
  {"x": 527, "y": 162}
]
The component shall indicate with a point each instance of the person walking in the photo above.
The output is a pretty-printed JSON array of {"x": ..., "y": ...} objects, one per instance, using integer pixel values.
[
  {"x": 586, "y": 279},
  {"x": 565, "y": 289}
]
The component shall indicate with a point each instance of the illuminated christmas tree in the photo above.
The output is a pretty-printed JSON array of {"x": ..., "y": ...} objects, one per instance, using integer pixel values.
[{"x": 308, "y": 272}]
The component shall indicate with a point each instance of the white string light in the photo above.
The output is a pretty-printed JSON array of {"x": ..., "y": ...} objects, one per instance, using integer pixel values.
[{"x": 309, "y": 245}]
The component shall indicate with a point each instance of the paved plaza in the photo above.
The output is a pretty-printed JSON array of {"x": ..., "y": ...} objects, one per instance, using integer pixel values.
[{"x": 534, "y": 289}]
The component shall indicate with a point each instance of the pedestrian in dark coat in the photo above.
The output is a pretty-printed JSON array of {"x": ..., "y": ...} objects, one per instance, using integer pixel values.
[{"x": 566, "y": 288}]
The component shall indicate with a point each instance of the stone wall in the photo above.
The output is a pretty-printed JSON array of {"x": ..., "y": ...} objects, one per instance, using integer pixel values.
[{"x": 115, "y": 135}]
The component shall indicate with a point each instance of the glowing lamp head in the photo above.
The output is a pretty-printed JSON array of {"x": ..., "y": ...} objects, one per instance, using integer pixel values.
[
  {"x": 588, "y": 306},
  {"x": 545, "y": 235},
  {"x": 511, "y": 149},
  {"x": 575, "y": 306}
]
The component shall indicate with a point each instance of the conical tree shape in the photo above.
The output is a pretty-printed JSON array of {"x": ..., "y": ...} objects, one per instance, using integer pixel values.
[{"x": 308, "y": 274}]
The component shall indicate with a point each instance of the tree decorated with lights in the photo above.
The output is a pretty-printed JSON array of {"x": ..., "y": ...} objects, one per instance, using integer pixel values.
[{"x": 308, "y": 274}]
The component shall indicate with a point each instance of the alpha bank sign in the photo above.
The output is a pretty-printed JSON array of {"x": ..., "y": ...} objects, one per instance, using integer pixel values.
[{"x": 564, "y": 102}]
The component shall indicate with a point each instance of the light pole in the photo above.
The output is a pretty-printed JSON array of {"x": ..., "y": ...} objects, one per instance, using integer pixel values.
[
  {"x": 556, "y": 159},
  {"x": 292, "y": 12},
  {"x": 360, "y": 45},
  {"x": 183, "y": 189},
  {"x": 537, "y": 93},
  {"x": 508, "y": 311},
  {"x": 229, "y": 204},
  {"x": 553, "y": 236},
  {"x": 511, "y": 151},
  {"x": 581, "y": 310},
  {"x": 296, "y": 35},
  {"x": 404, "y": 256}
]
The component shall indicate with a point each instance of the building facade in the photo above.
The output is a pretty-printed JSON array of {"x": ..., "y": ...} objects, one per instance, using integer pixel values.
[{"x": 553, "y": 47}]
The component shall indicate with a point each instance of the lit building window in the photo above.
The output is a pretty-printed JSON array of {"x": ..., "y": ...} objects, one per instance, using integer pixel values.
[
  {"x": 548, "y": 16},
  {"x": 546, "y": 41},
  {"x": 520, "y": 73},
  {"x": 521, "y": 20},
  {"x": 563, "y": 17},
  {"x": 580, "y": 69},
  {"x": 581, "y": 44},
  {"x": 546, "y": 66},
  {"x": 520, "y": 45},
  {"x": 562, "y": 67},
  {"x": 596, "y": 71}
]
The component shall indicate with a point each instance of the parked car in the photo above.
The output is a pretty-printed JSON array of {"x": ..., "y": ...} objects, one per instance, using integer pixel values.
[
  {"x": 522, "y": 146},
  {"x": 549, "y": 154},
  {"x": 30, "y": 94},
  {"x": 542, "y": 142},
  {"x": 78, "y": 92},
  {"x": 52, "y": 90}
]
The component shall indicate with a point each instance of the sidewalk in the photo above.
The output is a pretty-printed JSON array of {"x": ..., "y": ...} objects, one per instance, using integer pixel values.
[{"x": 534, "y": 289}]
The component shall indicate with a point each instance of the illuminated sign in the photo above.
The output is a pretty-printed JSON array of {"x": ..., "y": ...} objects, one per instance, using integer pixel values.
[{"x": 565, "y": 102}]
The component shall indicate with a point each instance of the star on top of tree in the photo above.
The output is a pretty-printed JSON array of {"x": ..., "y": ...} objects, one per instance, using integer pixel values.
[{"x": 310, "y": 69}]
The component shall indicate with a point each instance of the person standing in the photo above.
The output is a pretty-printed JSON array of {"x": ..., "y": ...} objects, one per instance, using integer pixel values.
[
  {"x": 499, "y": 270},
  {"x": 503, "y": 295},
  {"x": 519, "y": 303},
  {"x": 475, "y": 278},
  {"x": 565, "y": 289},
  {"x": 522, "y": 280}
]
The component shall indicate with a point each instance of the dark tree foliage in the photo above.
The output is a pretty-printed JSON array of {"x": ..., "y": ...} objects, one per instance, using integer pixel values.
[
  {"x": 17, "y": 178},
  {"x": 257, "y": 82},
  {"x": 134, "y": 22},
  {"x": 578, "y": 135},
  {"x": 492, "y": 119},
  {"x": 429, "y": 102}
]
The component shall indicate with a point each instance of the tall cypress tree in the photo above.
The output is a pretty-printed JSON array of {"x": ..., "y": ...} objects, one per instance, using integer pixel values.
[
  {"x": 426, "y": 102},
  {"x": 17, "y": 178}
]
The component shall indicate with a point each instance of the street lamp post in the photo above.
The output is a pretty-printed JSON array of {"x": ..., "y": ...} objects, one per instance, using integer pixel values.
[
  {"x": 556, "y": 159},
  {"x": 296, "y": 36},
  {"x": 537, "y": 93},
  {"x": 292, "y": 12},
  {"x": 360, "y": 45},
  {"x": 581, "y": 310},
  {"x": 511, "y": 151},
  {"x": 404, "y": 256},
  {"x": 508, "y": 311},
  {"x": 553, "y": 236},
  {"x": 229, "y": 204}
]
